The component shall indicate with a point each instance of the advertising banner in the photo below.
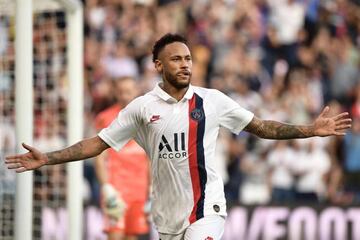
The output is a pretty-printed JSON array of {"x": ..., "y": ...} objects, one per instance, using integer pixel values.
[{"x": 293, "y": 223}]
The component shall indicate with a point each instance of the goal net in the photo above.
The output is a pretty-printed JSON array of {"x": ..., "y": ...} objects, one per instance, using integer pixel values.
[{"x": 50, "y": 88}]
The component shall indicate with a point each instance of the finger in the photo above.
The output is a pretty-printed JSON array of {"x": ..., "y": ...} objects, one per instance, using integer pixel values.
[
  {"x": 340, "y": 133},
  {"x": 14, "y": 157},
  {"x": 324, "y": 111},
  {"x": 14, "y": 165},
  {"x": 340, "y": 116},
  {"x": 21, "y": 169},
  {"x": 343, "y": 127},
  {"x": 343, "y": 121},
  {"x": 31, "y": 149},
  {"x": 10, "y": 160}
]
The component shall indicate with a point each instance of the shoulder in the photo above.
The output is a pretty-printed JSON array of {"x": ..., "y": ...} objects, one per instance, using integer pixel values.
[
  {"x": 141, "y": 101},
  {"x": 207, "y": 92},
  {"x": 139, "y": 107}
]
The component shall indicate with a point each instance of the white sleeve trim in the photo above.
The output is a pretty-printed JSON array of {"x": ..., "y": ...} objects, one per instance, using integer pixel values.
[
  {"x": 108, "y": 140},
  {"x": 247, "y": 119}
]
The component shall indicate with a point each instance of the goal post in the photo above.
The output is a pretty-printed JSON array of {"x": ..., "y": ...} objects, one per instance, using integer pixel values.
[
  {"x": 74, "y": 15},
  {"x": 24, "y": 112}
]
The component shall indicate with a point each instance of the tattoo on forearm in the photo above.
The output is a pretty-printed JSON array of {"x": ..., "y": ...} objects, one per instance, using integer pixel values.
[
  {"x": 276, "y": 130},
  {"x": 81, "y": 150},
  {"x": 74, "y": 152}
]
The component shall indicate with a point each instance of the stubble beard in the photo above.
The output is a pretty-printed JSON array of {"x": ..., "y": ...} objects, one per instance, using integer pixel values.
[{"x": 172, "y": 80}]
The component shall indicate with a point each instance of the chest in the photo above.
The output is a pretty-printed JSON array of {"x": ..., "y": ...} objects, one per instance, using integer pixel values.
[{"x": 177, "y": 118}]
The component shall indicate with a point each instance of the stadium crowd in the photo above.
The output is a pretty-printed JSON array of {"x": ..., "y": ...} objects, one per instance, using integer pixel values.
[{"x": 281, "y": 59}]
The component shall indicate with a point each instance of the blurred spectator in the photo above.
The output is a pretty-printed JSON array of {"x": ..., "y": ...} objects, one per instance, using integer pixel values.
[
  {"x": 222, "y": 154},
  {"x": 345, "y": 68},
  {"x": 287, "y": 16},
  {"x": 4, "y": 22},
  {"x": 281, "y": 161},
  {"x": 255, "y": 185},
  {"x": 282, "y": 37},
  {"x": 352, "y": 158},
  {"x": 310, "y": 168},
  {"x": 237, "y": 150},
  {"x": 119, "y": 63},
  {"x": 243, "y": 95},
  {"x": 298, "y": 100},
  {"x": 7, "y": 137},
  {"x": 7, "y": 145}
]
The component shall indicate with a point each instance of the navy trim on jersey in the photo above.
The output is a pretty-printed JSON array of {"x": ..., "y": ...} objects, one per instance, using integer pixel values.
[
  {"x": 197, "y": 156},
  {"x": 201, "y": 157}
]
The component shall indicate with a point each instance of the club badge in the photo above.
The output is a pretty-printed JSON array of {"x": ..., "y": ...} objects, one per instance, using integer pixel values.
[{"x": 197, "y": 114}]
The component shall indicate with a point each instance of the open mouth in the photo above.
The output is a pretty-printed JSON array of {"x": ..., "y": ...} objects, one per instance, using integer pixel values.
[{"x": 184, "y": 73}]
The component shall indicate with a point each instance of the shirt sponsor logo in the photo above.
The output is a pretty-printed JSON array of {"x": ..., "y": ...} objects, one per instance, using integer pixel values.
[{"x": 174, "y": 149}]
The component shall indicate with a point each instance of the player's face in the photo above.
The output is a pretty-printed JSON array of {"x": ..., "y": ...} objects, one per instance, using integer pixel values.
[
  {"x": 125, "y": 91},
  {"x": 175, "y": 65}
]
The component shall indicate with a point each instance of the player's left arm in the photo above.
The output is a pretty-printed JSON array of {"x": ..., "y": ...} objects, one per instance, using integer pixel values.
[{"x": 323, "y": 126}]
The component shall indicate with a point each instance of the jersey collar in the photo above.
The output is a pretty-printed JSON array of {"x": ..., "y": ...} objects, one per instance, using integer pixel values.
[{"x": 167, "y": 98}]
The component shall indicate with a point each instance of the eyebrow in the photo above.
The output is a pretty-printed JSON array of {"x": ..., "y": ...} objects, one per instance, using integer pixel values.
[{"x": 175, "y": 56}]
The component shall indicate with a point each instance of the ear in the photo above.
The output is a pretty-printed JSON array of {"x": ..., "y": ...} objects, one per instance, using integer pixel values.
[{"x": 158, "y": 66}]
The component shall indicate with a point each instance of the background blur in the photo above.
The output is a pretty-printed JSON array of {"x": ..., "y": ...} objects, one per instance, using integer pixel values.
[{"x": 281, "y": 59}]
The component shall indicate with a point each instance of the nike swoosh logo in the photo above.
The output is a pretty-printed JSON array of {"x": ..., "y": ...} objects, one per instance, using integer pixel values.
[{"x": 154, "y": 118}]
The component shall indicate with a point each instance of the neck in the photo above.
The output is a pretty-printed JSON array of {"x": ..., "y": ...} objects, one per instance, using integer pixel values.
[{"x": 176, "y": 93}]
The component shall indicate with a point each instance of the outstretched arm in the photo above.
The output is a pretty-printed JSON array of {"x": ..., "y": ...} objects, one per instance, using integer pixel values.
[
  {"x": 323, "y": 126},
  {"x": 34, "y": 158}
]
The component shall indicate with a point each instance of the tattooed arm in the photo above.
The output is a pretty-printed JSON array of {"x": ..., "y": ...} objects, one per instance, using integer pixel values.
[
  {"x": 86, "y": 148},
  {"x": 322, "y": 126},
  {"x": 34, "y": 158},
  {"x": 276, "y": 130}
]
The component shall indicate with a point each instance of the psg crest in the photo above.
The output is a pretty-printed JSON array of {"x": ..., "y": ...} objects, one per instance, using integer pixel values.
[{"x": 197, "y": 114}]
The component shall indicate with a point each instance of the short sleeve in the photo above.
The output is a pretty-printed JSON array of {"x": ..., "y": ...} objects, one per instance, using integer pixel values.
[
  {"x": 231, "y": 115},
  {"x": 123, "y": 128}
]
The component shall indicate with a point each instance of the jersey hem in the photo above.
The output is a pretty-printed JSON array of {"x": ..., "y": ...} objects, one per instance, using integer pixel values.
[{"x": 168, "y": 231}]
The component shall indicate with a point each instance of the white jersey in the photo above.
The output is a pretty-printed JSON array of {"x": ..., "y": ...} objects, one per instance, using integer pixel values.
[{"x": 180, "y": 139}]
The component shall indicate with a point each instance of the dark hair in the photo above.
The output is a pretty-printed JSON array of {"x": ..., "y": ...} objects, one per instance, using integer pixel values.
[{"x": 165, "y": 40}]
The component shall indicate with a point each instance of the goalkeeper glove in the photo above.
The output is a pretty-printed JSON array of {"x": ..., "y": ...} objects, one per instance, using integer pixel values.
[{"x": 114, "y": 206}]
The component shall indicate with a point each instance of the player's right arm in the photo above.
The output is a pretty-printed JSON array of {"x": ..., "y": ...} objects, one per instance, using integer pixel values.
[{"x": 34, "y": 159}]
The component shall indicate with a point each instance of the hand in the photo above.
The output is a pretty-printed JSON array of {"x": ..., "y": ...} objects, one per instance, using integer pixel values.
[
  {"x": 114, "y": 206},
  {"x": 326, "y": 126},
  {"x": 27, "y": 161}
]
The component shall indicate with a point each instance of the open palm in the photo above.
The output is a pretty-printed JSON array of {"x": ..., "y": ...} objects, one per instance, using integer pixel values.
[
  {"x": 336, "y": 125},
  {"x": 27, "y": 161}
]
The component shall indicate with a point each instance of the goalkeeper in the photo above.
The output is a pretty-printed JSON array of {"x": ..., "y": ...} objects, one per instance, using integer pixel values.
[{"x": 123, "y": 175}]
